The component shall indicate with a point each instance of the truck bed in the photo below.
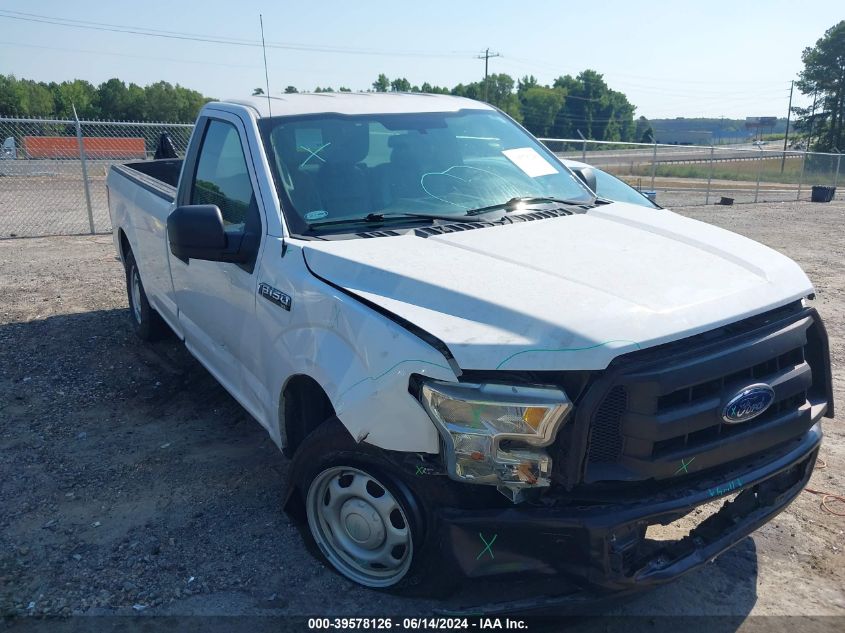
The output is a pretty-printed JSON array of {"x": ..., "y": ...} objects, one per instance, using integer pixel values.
[
  {"x": 141, "y": 197},
  {"x": 159, "y": 177}
]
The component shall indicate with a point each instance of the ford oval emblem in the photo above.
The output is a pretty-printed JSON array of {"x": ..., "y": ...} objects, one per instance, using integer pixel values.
[{"x": 748, "y": 403}]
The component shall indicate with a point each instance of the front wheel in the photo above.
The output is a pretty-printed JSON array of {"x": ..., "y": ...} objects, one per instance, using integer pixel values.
[
  {"x": 360, "y": 526},
  {"x": 367, "y": 519}
]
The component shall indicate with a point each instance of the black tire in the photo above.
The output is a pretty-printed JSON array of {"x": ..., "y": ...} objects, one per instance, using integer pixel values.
[
  {"x": 146, "y": 322},
  {"x": 330, "y": 447}
]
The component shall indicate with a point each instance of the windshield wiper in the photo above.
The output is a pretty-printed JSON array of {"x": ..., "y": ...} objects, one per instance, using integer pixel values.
[
  {"x": 381, "y": 217},
  {"x": 512, "y": 204}
]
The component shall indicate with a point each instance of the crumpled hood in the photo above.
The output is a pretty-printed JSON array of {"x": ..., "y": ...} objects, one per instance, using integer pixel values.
[{"x": 564, "y": 293}]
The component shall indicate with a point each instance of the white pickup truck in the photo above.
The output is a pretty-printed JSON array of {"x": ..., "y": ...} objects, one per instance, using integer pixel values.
[{"x": 479, "y": 368}]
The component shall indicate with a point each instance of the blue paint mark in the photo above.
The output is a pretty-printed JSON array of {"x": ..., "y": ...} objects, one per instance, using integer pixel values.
[
  {"x": 313, "y": 153},
  {"x": 717, "y": 491},
  {"x": 387, "y": 371},
  {"x": 567, "y": 349},
  {"x": 684, "y": 465},
  {"x": 488, "y": 546}
]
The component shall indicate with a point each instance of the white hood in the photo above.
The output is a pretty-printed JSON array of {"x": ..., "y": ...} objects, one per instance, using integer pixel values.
[{"x": 564, "y": 293}]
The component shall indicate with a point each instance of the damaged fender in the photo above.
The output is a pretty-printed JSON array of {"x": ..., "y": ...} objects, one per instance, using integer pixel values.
[{"x": 362, "y": 360}]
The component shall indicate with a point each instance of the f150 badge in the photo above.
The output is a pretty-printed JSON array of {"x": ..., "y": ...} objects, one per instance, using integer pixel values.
[{"x": 275, "y": 295}]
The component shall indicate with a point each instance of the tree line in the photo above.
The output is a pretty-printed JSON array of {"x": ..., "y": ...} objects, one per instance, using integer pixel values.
[
  {"x": 112, "y": 100},
  {"x": 569, "y": 107}
]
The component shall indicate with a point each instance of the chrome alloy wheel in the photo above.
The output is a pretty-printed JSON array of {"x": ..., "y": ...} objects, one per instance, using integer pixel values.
[
  {"x": 359, "y": 526},
  {"x": 136, "y": 294}
]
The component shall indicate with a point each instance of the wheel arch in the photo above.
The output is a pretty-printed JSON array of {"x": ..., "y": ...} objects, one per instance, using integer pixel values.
[
  {"x": 303, "y": 406},
  {"x": 123, "y": 241}
]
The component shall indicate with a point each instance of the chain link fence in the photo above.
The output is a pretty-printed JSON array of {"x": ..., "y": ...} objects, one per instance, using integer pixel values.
[
  {"x": 53, "y": 171},
  {"x": 684, "y": 175}
]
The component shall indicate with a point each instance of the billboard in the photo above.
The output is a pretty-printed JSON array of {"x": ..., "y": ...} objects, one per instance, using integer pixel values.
[{"x": 754, "y": 122}]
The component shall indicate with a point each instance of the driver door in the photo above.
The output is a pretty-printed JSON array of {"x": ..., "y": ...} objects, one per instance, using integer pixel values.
[{"x": 216, "y": 300}]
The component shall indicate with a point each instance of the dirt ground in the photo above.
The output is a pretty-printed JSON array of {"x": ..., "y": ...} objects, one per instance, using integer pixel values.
[{"x": 130, "y": 482}]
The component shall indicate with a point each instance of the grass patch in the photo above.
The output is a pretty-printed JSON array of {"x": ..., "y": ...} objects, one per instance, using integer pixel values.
[{"x": 769, "y": 169}]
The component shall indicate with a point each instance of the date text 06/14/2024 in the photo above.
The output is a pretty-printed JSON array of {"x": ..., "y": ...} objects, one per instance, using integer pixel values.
[{"x": 412, "y": 624}]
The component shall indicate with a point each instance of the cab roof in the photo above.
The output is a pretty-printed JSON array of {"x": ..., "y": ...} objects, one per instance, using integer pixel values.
[{"x": 356, "y": 103}]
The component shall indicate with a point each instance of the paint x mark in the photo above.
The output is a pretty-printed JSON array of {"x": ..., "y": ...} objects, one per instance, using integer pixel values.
[
  {"x": 683, "y": 468},
  {"x": 313, "y": 153},
  {"x": 420, "y": 470},
  {"x": 488, "y": 547}
]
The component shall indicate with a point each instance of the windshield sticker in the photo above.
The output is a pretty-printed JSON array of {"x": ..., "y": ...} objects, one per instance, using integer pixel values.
[
  {"x": 316, "y": 215},
  {"x": 530, "y": 161}
]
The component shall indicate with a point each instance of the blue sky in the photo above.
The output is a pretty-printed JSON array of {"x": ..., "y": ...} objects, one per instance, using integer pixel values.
[{"x": 705, "y": 58}]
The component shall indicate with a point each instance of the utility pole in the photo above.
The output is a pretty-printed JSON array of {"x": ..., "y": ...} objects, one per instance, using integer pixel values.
[
  {"x": 786, "y": 137},
  {"x": 486, "y": 57},
  {"x": 812, "y": 120}
]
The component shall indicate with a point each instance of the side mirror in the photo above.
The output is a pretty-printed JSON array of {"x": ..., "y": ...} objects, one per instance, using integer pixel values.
[
  {"x": 588, "y": 176},
  {"x": 197, "y": 232}
]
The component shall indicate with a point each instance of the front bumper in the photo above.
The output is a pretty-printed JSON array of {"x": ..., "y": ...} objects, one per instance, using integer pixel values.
[{"x": 582, "y": 552}]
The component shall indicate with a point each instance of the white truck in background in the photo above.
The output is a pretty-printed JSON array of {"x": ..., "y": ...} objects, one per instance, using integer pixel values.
[{"x": 479, "y": 368}]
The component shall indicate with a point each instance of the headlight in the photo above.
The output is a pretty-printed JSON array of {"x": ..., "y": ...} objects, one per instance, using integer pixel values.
[{"x": 475, "y": 420}]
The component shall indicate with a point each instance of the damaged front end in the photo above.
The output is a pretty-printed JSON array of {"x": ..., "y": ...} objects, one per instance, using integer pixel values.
[
  {"x": 571, "y": 554},
  {"x": 646, "y": 443}
]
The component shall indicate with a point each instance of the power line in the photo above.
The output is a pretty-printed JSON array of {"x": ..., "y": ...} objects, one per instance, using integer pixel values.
[
  {"x": 70, "y": 21},
  {"x": 554, "y": 68},
  {"x": 179, "y": 35},
  {"x": 129, "y": 55},
  {"x": 698, "y": 95},
  {"x": 214, "y": 39}
]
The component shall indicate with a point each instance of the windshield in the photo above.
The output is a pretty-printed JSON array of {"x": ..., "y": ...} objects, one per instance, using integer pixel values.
[{"x": 332, "y": 167}]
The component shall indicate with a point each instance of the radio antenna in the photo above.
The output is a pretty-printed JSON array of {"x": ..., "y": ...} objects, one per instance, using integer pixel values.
[{"x": 266, "y": 75}]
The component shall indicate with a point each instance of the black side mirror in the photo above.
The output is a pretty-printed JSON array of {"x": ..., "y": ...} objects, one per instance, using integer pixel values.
[
  {"x": 197, "y": 232},
  {"x": 588, "y": 176}
]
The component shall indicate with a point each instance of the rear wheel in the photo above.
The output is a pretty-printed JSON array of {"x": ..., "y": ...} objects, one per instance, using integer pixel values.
[{"x": 146, "y": 322}]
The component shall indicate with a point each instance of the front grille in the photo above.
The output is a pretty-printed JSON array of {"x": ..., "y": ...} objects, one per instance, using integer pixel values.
[
  {"x": 606, "y": 429},
  {"x": 767, "y": 372},
  {"x": 661, "y": 415}
]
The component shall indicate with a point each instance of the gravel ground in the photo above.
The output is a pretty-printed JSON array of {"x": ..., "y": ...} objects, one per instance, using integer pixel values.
[{"x": 131, "y": 482}]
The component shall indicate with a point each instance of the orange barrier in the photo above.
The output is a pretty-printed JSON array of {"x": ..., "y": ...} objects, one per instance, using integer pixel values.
[{"x": 95, "y": 147}]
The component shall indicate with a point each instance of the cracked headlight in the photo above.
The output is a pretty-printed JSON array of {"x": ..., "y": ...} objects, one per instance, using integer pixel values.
[{"x": 495, "y": 434}]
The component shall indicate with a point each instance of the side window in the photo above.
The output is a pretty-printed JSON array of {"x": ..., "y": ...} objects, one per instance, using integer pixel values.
[
  {"x": 222, "y": 177},
  {"x": 610, "y": 187}
]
